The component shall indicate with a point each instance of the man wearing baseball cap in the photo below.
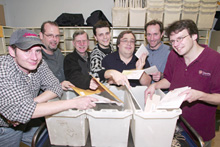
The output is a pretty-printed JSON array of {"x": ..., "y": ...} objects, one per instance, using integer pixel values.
[{"x": 22, "y": 74}]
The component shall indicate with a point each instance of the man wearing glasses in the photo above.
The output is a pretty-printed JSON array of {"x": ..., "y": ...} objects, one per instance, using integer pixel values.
[
  {"x": 124, "y": 58},
  {"x": 196, "y": 66},
  {"x": 22, "y": 74},
  {"x": 50, "y": 36}
]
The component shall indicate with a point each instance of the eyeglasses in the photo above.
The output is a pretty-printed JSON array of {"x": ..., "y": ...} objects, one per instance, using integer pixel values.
[
  {"x": 179, "y": 39},
  {"x": 127, "y": 41},
  {"x": 81, "y": 41},
  {"x": 50, "y": 36}
]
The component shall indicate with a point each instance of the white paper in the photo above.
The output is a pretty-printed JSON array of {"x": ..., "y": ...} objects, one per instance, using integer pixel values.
[
  {"x": 102, "y": 99},
  {"x": 142, "y": 49},
  {"x": 151, "y": 104},
  {"x": 150, "y": 70},
  {"x": 172, "y": 100},
  {"x": 133, "y": 74}
]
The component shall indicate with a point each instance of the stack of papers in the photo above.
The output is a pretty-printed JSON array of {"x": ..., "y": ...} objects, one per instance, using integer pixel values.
[
  {"x": 151, "y": 104},
  {"x": 136, "y": 74},
  {"x": 133, "y": 74},
  {"x": 172, "y": 100},
  {"x": 102, "y": 99}
]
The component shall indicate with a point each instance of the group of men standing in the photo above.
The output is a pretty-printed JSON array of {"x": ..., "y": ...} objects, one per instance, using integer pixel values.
[{"x": 23, "y": 73}]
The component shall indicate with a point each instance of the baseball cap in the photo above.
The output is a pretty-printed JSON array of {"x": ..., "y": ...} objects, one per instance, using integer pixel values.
[{"x": 25, "y": 39}]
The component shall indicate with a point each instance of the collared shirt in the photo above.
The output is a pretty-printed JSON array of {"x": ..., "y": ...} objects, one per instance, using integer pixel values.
[
  {"x": 55, "y": 63},
  {"x": 19, "y": 89},
  {"x": 158, "y": 57},
  {"x": 113, "y": 61},
  {"x": 202, "y": 74}
]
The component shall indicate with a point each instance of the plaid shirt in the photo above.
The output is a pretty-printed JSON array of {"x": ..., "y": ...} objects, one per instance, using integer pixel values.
[{"x": 19, "y": 89}]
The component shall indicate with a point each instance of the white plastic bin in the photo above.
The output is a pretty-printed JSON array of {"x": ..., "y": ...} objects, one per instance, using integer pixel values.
[
  {"x": 137, "y": 17},
  {"x": 154, "y": 129},
  {"x": 190, "y": 14},
  {"x": 170, "y": 16},
  {"x": 155, "y": 14},
  {"x": 68, "y": 127},
  {"x": 205, "y": 19},
  {"x": 110, "y": 127},
  {"x": 120, "y": 17}
]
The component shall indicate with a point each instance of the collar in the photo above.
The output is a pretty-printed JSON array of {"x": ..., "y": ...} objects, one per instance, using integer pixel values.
[
  {"x": 83, "y": 57},
  {"x": 47, "y": 56},
  {"x": 134, "y": 58},
  {"x": 159, "y": 48}
]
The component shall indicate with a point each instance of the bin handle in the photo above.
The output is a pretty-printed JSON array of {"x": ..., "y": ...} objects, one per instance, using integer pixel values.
[{"x": 201, "y": 142}]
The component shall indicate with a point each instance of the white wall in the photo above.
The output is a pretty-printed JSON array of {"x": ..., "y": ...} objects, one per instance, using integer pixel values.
[{"x": 31, "y": 13}]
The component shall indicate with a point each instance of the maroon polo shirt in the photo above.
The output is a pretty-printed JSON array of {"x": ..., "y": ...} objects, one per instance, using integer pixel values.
[{"x": 202, "y": 74}]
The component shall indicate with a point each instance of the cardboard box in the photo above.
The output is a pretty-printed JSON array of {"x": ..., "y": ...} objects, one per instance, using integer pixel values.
[{"x": 2, "y": 16}]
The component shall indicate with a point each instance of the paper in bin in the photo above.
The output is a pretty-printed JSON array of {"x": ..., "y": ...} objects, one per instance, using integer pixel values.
[
  {"x": 172, "y": 100},
  {"x": 151, "y": 103},
  {"x": 102, "y": 99}
]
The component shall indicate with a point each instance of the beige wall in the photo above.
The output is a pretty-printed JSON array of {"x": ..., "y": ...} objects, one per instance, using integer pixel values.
[{"x": 31, "y": 13}]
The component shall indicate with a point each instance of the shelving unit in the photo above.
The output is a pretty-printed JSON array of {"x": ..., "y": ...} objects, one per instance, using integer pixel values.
[
  {"x": 7, "y": 31},
  {"x": 66, "y": 33},
  {"x": 204, "y": 36}
]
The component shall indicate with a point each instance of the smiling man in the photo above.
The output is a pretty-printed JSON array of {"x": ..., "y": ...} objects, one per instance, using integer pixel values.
[
  {"x": 50, "y": 36},
  {"x": 77, "y": 63},
  {"x": 158, "y": 51},
  {"x": 102, "y": 34},
  {"x": 197, "y": 66},
  {"x": 124, "y": 58},
  {"x": 22, "y": 74}
]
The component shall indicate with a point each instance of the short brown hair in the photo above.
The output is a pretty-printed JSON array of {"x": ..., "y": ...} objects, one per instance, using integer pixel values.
[
  {"x": 79, "y": 32},
  {"x": 121, "y": 36},
  {"x": 101, "y": 24},
  {"x": 154, "y": 22},
  {"x": 180, "y": 25},
  {"x": 42, "y": 29}
]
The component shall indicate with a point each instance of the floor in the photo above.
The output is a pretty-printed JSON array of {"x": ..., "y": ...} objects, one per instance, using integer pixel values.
[{"x": 216, "y": 140}]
